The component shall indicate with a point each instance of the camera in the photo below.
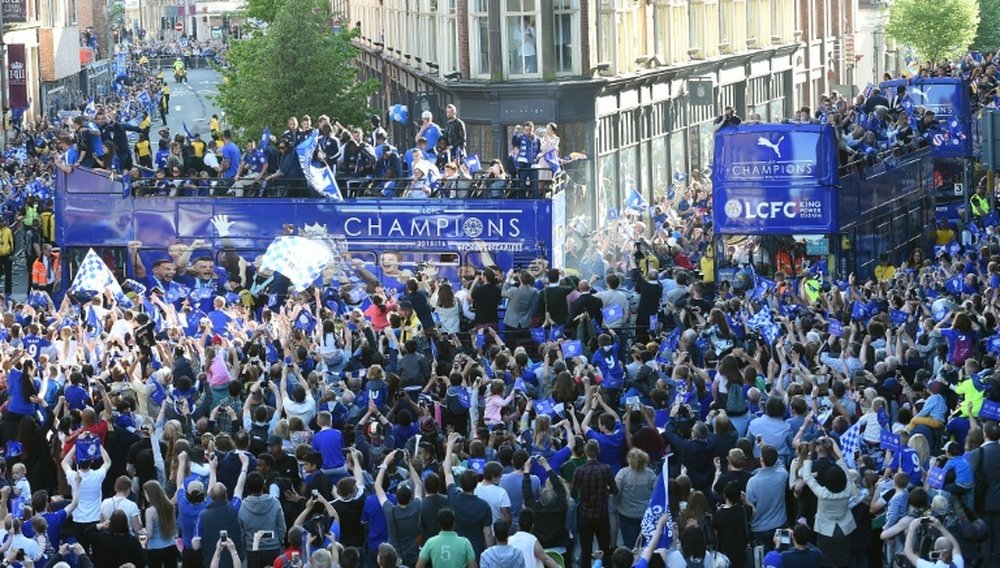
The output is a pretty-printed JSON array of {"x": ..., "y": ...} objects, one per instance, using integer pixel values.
[
  {"x": 223, "y": 536},
  {"x": 315, "y": 493}
]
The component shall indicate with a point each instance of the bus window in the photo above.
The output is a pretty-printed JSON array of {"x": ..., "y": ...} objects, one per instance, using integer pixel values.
[{"x": 396, "y": 267}]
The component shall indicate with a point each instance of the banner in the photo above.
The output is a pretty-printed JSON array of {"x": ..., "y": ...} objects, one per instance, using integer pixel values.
[
  {"x": 17, "y": 73},
  {"x": 776, "y": 154},
  {"x": 14, "y": 12},
  {"x": 759, "y": 210}
]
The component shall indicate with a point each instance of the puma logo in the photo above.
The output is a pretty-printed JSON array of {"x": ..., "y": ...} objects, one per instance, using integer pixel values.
[
  {"x": 924, "y": 94},
  {"x": 772, "y": 145}
]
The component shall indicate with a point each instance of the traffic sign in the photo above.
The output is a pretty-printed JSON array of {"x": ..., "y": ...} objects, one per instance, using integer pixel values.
[{"x": 179, "y": 27}]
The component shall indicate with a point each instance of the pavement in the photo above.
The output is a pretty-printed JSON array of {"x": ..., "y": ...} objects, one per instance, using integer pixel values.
[{"x": 191, "y": 102}]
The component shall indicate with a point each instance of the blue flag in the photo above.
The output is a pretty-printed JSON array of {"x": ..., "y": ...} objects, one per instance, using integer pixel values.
[
  {"x": 859, "y": 311},
  {"x": 477, "y": 465},
  {"x": 480, "y": 340},
  {"x": 545, "y": 406},
  {"x": 265, "y": 138},
  {"x": 186, "y": 131},
  {"x": 612, "y": 314},
  {"x": 434, "y": 350},
  {"x": 14, "y": 449},
  {"x": 472, "y": 162},
  {"x": 883, "y": 418},
  {"x": 672, "y": 341},
  {"x": 836, "y": 328},
  {"x": 897, "y": 316},
  {"x": 573, "y": 348},
  {"x": 654, "y": 322},
  {"x": 92, "y": 321},
  {"x": 635, "y": 201},
  {"x": 319, "y": 175},
  {"x": 990, "y": 410},
  {"x": 88, "y": 448},
  {"x": 658, "y": 506},
  {"x": 537, "y": 334},
  {"x": 955, "y": 284},
  {"x": 305, "y": 321},
  {"x": 555, "y": 332}
]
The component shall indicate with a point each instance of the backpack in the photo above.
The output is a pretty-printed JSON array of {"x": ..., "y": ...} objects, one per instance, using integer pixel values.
[
  {"x": 736, "y": 403},
  {"x": 258, "y": 439}
]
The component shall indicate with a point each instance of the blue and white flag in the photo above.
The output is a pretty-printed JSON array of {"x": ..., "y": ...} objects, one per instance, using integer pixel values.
[
  {"x": 849, "y": 443},
  {"x": 867, "y": 91},
  {"x": 654, "y": 323},
  {"x": 90, "y": 111},
  {"x": 572, "y": 348},
  {"x": 658, "y": 506},
  {"x": 836, "y": 328},
  {"x": 95, "y": 276},
  {"x": 299, "y": 259},
  {"x": 552, "y": 160},
  {"x": 399, "y": 113},
  {"x": 472, "y": 162},
  {"x": 672, "y": 341},
  {"x": 145, "y": 99},
  {"x": 635, "y": 200},
  {"x": 993, "y": 344},
  {"x": 265, "y": 139},
  {"x": 434, "y": 350},
  {"x": 545, "y": 406},
  {"x": 955, "y": 284},
  {"x": 319, "y": 175},
  {"x": 555, "y": 332},
  {"x": 612, "y": 314}
]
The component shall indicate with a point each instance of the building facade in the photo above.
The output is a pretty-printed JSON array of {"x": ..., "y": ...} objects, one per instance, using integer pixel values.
[
  {"x": 633, "y": 84},
  {"x": 50, "y": 37}
]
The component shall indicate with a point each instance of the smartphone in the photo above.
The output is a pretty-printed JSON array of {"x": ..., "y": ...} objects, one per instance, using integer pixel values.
[
  {"x": 784, "y": 536},
  {"x": 632, "y": 401},
  {"x": 315, "y": 493},
  {"x": 267, "y": 535},
  {"x": 223, "y": 536},
  {"x": 934, "y": 555}
]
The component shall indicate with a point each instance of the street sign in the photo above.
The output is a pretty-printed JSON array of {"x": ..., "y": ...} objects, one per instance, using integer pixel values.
[{"x": 179, "y": 27}]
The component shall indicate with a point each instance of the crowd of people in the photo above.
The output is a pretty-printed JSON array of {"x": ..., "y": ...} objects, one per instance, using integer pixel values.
[{"x": 627, "y": 410}]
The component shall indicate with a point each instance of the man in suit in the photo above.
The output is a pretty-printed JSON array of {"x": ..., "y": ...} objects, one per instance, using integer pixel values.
[
  {"x": 587, "y": 303},
  {"x": 520, "y": 301},
  {"x": 877, "y": 99},
  {"x": 650, "y": 291},
  {"x": 552, "y": 299},
  {"x": 985, "y": 465}
]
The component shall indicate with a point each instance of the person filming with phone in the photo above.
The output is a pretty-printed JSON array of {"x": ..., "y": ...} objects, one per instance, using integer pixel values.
[{"x": 946, "y": 552}]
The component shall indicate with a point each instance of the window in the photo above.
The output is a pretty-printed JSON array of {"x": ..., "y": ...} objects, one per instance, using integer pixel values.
[
  {"x": 521, "y": 33},
  {"x": 567, "y": 26},
  {"x": 427, "y": 32},
  {"x": 70, "y": 13},
  {"x": 479, "y": 38},
  {"x": 661, "y": 31},
  {"x": 754, "y": 39},
  {"x": 775, "y": 18},
  {"x": 696, "y": 18},
  {"x": 447, "y": 58},
  {"x": 607, "y": 27},
  {"x": 725, "y": 13},
  {"x": 629, "y": 34}
]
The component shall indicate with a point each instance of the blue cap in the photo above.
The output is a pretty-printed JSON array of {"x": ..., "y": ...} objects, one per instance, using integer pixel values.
[{"x": 772, "y": 560}]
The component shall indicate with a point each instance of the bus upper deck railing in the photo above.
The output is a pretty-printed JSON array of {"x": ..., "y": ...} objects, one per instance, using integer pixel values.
[{"x": 85, "y": 181}]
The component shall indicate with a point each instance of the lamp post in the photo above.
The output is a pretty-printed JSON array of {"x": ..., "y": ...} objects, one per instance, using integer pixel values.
[{"x": 3, "y": 83}]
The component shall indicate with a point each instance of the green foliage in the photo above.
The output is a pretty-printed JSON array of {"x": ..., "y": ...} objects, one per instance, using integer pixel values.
[
  {"x": 988, "y": 32},
  {"x": 297, "y": 66},
  {"x": 935, "y": 29},
  {"x": 266, "y": 10}
]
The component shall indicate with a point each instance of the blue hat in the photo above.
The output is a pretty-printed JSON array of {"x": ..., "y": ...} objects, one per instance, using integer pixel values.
[{"x": 772, "y": 560}]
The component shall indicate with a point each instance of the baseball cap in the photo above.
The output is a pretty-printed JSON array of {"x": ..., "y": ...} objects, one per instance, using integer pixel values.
[
  {"x": 195, "y": 486},
  {"x": 426, "y": 114},
  {"x": 772, "y": 560}
]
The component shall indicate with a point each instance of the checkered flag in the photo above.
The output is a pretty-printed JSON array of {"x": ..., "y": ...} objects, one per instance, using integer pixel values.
[
  {"x": 299, "y": 259},
  {"x": 95, "y": 276},
  {"x": 849, "y": 443}
]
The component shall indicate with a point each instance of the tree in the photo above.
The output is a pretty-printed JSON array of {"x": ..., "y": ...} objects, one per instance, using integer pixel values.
[
  {"x": 988, "y": 32},
  {"x": 297, "y": 66},
  {"x": 935, "y": 29},
  {"x": 266, "y": 10}
]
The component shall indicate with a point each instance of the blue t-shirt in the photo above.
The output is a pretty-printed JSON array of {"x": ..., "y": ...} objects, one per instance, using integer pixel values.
[
  {"x": 18, "y": 399},
  {"x": 612, "y": 446},
  {"x": 907, "y": 461},
  {"x": 33, "y": 345},
  {"x": 232, "y": 153},
  {"x": 611, "y": 368},
  {"x": 374, "y": 518},
  {"x": 77, "y": 397},
  {"x": 432, "y": 133},
  {"x": 330, "y": 444},
  {"x": 255, "y": 161}
]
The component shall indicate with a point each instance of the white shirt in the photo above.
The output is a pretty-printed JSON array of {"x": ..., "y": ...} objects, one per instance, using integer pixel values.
[
  {"x": 525, "y": 542},
  {"x": 120, "y": 329},
  {"x": 306, "y": 410},
  {"x": 112, "y": 504},
  {"x": 956, "y": 561},
  {"x": 495, "y": 496},
  {"x": 28, "y": 545},
  {"x": 676, "y": 560},
  {"x": 88, "y": 509}
]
